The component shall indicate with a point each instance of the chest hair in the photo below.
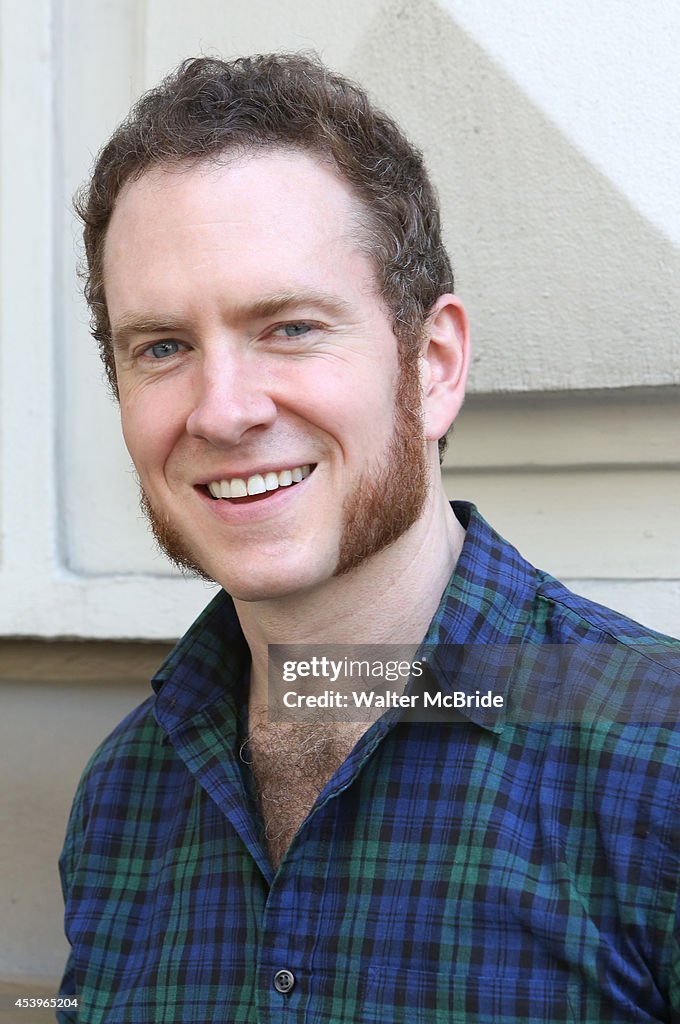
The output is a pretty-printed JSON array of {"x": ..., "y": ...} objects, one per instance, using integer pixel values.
[{"x": 291, "y": 762}]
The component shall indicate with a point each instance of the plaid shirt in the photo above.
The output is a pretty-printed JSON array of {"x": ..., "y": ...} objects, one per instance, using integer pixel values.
[{"x": 485, "y": 870}]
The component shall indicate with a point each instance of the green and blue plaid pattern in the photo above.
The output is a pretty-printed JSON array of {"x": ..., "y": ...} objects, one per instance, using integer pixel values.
[{"x": 475, "y": 871}]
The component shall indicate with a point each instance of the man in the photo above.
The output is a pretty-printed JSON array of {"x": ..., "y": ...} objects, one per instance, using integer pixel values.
[{"x": 276, "y": 314}]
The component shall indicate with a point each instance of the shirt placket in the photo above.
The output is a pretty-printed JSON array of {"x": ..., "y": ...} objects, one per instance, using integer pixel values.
[{"x": 287, "y": 985}]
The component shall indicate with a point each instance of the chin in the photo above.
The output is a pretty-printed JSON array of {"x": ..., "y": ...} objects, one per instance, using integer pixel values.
[
  {"x": 266, "y": 586},
  {"x": 254, "y": 592}
]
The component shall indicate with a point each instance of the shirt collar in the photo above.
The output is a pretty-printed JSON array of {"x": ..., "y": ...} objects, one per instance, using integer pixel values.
[
  {"x": 483, "y": 615},
  {"x": 485, "y": 608},
  {"x": 208, "y": 662}
]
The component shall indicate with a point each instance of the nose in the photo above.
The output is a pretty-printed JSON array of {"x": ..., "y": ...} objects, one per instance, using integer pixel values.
[{"x": 231, "y": 398}]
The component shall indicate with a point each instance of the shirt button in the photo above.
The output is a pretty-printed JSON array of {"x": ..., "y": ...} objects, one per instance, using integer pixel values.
[{"x": 284, "y": 981}]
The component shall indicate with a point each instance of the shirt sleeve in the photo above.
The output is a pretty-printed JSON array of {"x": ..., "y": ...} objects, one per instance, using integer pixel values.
[
  {"x": 67, "y": 990},
  {"x": 674, "y": 983}
]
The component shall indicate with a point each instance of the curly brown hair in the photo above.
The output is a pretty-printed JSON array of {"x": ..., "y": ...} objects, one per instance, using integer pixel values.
[{"x": 208, "y": 107}]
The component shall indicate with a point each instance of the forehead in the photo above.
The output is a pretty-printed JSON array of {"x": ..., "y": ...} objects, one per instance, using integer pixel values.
[{"x": 262, "y": 220}]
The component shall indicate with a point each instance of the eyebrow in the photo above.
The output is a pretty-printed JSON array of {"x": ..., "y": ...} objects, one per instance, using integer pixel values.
[{"x": 130, "y": 324}]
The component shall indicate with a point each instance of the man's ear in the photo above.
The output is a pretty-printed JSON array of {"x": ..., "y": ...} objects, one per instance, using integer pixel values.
[{"x": 445, "y": 358}]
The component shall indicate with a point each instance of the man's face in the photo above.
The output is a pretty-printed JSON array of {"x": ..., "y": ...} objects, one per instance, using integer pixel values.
[{"x": 251, "y": 349}]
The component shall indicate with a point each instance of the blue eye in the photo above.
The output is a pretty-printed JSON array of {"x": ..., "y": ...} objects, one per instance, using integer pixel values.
[
  {"x": 164, "y": 348},
  {"x": 295, "y": 330}
]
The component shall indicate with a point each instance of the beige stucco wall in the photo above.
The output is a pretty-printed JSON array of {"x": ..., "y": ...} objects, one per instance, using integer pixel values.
[
  {"x": 552, "y": 135},
  {"x": 58, "y": 702},
  {"x": 550, "y": 132}
]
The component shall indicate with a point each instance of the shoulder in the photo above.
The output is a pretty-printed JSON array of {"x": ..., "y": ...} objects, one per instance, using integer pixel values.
[
  {"x": 612, "y": 696},
  {"x": 607, "y": 666},
  {"x": 116, "y": 771},
  {"x": 135, "y": 738},
  {"x": 567, "y": 617}
]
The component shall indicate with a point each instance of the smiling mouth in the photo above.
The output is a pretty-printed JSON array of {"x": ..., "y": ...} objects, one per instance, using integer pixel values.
[{"x": 259, "y": 487}]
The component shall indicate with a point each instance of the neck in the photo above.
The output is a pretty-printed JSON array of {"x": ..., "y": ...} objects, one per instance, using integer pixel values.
[{"x": 389, "y": 598}]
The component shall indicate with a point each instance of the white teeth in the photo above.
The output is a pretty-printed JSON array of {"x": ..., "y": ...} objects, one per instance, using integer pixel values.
[{"x": 258, "y": 483}]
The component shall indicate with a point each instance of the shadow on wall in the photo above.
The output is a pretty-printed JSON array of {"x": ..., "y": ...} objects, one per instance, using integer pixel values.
[{"x": 567, "y": 284}]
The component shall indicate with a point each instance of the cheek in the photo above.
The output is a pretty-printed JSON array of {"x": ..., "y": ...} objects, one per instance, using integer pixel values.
[
  {"x": 358, "y": 413},
  {"x": 149, "y": 430}
]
